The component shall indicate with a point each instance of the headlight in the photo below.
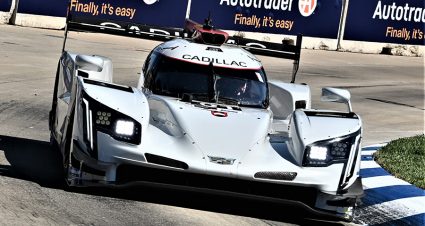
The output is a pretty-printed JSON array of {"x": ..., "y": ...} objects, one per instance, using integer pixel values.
[
  {"x": 121, "y": 127},
  {"x": 325, "y": 153},
  {"x": 318, "y": 153},
  {"x": 125, "y": 128},
  {"x": 103, "y": 118},
  {"x": 114, "y": 123}
]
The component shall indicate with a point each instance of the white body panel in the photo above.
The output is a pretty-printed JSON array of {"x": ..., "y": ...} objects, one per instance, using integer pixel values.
[
  {"x": 283, "y": 102},
  {"x": 106, "y": 69},
  {"x": 221, "y": 56}
]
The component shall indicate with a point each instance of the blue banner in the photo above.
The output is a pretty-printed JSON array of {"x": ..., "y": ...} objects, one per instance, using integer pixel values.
[
  {"x": 390, "y": 21},
  {"x": 169, "y": 13},
  {"x": 5, "y": 5},
  {"x": 46, "y": 7},
  {"x": 166, "y": 13},
  {"x": 315, "y": 18}
]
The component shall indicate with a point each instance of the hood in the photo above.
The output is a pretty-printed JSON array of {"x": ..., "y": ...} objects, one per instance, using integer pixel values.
[{"x": 220, "y": 132}]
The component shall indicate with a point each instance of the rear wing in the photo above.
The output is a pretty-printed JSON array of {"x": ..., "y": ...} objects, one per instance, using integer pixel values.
[{"x": 281, "y": 50}]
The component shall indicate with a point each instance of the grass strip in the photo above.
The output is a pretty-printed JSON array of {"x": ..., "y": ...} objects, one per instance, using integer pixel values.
[{"x": 405, "y": 159}]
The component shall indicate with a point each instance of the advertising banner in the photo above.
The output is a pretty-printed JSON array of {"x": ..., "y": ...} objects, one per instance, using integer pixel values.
[
  {"x": 5, "y": 5},
  {"x": 46, "y": 7},
  {"x": 170, "y": 13},
  {"x": 390, "y": 21},
  {"x": 163, "y": 13},
  {"x": 315, "y": 18}
]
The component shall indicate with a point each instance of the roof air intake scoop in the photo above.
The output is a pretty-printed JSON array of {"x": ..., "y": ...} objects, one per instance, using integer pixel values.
[{"x": 206, "y": 33}]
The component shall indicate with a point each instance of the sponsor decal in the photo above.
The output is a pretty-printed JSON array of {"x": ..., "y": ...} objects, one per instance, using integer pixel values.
[
  {"x": 219, "y": 113},
  {"x": 284, "y": 5},
  {"x": 399, "y": 12},
  {"x": 214, "y": 60},
  {"x": 307, "y": 7},
  {"x": 150, "y": 2},
  {"x": 221, "y": 160}
]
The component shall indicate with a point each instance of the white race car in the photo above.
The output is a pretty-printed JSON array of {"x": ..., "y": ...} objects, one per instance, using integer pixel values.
[{"x": 204, "y": 115}]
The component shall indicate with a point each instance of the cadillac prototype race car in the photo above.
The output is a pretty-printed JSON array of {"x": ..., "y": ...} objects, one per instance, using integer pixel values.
[{"x": 205, "y": 115}]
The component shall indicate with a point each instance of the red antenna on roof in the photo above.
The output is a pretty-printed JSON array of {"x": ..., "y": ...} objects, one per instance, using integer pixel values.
[{"x": 205, "y": 33}]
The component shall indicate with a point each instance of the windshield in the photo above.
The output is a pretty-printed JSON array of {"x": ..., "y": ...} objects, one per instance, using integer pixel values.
[{"x": 245, "y": 87}]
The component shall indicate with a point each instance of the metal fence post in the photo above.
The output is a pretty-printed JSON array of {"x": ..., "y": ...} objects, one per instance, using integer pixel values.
[
  {"x": 13, "y": 11},
  {"x": 189, "y": 5},
  {"x": 342, "y": 24}
]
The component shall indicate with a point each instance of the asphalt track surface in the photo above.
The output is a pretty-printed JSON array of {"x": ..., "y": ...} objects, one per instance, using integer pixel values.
[{"x": 387, "y": 92}]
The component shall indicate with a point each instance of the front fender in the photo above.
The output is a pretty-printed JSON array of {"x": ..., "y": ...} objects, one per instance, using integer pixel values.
[
  {"x": 308, "y": 127},
  {"x": 127, "y": 101}
]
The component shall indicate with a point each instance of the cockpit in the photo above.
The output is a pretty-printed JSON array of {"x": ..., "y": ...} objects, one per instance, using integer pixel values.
[{"x": 208, "y": 83}]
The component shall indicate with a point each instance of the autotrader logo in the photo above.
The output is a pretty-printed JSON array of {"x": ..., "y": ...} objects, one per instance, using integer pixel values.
[
  {"x": 150, "y": 2},
  {"x": 307, "y": 7}
]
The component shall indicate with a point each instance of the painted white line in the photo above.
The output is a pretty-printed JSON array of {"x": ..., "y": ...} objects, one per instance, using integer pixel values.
[
  {"x": 416, "y": 205},
  {"x": 394, "y": 210},
  {"x": 396, "y": 131},
  {"x": 368, "y": 164},
  {"x": 376, "y": 145},
  {"x": 382, "y": 181},
  {"x": 368, "y": 152}
]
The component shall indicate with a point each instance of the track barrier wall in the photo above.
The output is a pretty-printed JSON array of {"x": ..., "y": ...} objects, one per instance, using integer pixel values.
[
  {"x": 390, "y": 21},
  {"x": 355, "y": 25}
]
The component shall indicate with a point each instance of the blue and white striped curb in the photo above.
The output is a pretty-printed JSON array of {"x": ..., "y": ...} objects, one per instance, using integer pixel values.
[{"x": 388, "y": 200}]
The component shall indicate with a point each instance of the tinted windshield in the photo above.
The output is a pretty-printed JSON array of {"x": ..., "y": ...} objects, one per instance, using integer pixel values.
[{"x": 208, "y": 83}]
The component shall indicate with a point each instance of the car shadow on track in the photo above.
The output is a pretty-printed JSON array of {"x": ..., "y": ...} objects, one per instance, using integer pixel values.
[
  {"x": 31, "y": 160},
  {"x": 36, "y": 161}
]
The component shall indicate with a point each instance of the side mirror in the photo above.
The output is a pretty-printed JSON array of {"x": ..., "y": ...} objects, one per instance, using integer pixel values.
[
  {"x": 336, "y": 95},
  {"x": 89, "y": 63}
]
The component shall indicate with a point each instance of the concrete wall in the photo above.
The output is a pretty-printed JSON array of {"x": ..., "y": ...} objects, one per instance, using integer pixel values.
[
  {"x": 49, "y": 22},
  {"x": 4, "y": 17}
]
